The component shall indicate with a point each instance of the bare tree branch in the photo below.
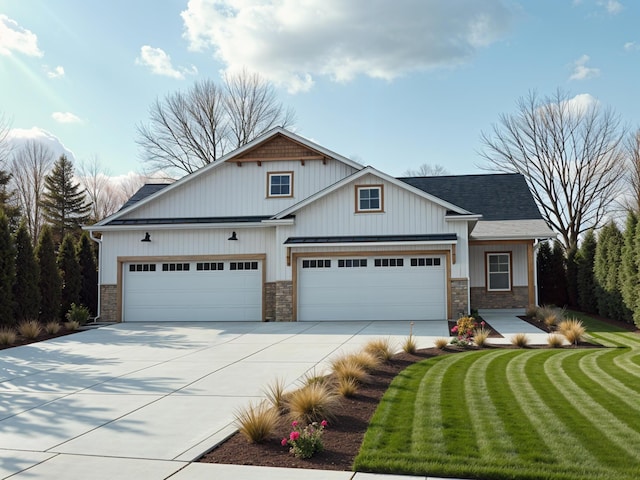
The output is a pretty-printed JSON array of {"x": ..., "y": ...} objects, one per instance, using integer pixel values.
[
  {"x": 570, "y": 153},
  {"x": 188, "y": 130},
  {"x": 426, "y": 170}
]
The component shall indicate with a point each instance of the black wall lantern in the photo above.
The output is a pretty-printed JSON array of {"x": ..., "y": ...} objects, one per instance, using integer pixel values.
[
  {"x": 147, "y": 237},
  {"x": 233, "y": 236}
]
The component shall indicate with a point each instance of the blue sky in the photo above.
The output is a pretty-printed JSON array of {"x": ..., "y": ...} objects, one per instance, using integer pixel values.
[{"x": 392, "y": 84}]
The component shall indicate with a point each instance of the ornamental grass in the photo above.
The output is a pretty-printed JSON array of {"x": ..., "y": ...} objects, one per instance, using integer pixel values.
[
  {"x": 313, "y": 403},
  {"x": 347, "y": 387},
  {"x": 347, "y": 367},
  {"x": 29, "y": 329},
  {"x": 441, "y": 343},
  {"x": 7, "y": 336},
  {"x": 52, "y": 327},
  {"x": 380, "y": 348},
  {"x": 555, "y": 341},
  {"x": 520, "y": 340},
  {"x": 72, "y": 325},
  {"x": 480, "y": 336},
  {"x": 572, "y": 329},
  {"x": 256, "y": 422},
  {"x": 410, "y": 345},
  {"x": 275, "y": 393}
]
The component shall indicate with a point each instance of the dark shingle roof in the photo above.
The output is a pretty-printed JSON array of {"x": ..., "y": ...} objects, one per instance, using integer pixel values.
[
  {"x": 504, "y": 196},
  {"x": 146, "y": 190}
]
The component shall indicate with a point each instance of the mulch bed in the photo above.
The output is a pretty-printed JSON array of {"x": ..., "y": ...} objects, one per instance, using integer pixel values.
[
  {"x": 616, "y": 323},
  {"x": 341, "y": 439},
  {"x": 492, "y": 332},
  {"x": 43, "y": 336}
]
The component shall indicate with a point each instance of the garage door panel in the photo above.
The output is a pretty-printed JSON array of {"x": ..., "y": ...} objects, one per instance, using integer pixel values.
[
  {"x": 193, "y": 295},
  {"x": 400, "y": 292}
]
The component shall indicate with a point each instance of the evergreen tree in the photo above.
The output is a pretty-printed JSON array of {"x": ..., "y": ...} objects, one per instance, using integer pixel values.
[
  {"x": 50, "y": 283},
  {"x": 64, "y": 204},
  {"x": 606, "y": 266},
  {"x": 572, "y": 276},
  {"x": 89, "y": 274},
  {"x": 629, "y": 276},
  {"x": 69, "y": 273},
  {"x": 11, "y": 210},
  {"x": 543, "y": 261},
  {"x": 26, "y": 293},
  {"x": 558, "y": 275},
  {"x": 7, "y": 271},
  {"x": 586, "y": 280},
  {"x": 636, "y": 243}
]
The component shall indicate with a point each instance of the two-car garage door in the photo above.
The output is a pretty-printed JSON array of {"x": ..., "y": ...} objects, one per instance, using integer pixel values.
[
  {"x": 176, "y": 291},
  {"x": 372, "y": 288}
]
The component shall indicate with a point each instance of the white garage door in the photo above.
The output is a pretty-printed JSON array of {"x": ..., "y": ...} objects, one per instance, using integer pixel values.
[
  {"x": 372, "y": 288},
  {"x": 192, "y": 291}
]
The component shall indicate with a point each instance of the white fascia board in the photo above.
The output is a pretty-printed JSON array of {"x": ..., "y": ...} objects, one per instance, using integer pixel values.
[
  {"x": 177, "y": 226},
  {"x": 460, "y": 218},
  {"x": 532, "y": 236},
  {"x": 372, "y": 244},
  {"x": 280, "y": 221}
]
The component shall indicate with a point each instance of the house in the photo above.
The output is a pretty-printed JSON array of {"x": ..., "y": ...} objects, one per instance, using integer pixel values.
[{"x": 283, "y": 229}]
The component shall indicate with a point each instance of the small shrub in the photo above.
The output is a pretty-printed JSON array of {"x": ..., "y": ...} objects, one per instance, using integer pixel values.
[
  {"x": 78, "y": 313},
  {"x": 410, "y": 345},
  {"x": 380, "y": 348},
  {"x": 572, "y": 329},
  {"x": 531, "y": 311},
  {"x": 314, "y": 378},
  {"x": 365, "y": 360},
  {"x": 52, "y": 327},
  {"x": 71, "y": 325},
  {"x": 312, "y": 403},
  {"x": 554, "y": 341},
  {"x": 480, "y": 336},
  {"x": 347, "y": 367},
  {"x": 7, "y": 336},
  {"x": 29, "y": 329},
  {"x": 347, "y": 387},
  {"x": 275, "y": 393},
  {"x": 307, "y": 441},
  {"x": 520, "y": 340},
  {"x": 440, "y": 343},
  {"x": 256, "y": 422},
  {"x": 464, "y": 330}
]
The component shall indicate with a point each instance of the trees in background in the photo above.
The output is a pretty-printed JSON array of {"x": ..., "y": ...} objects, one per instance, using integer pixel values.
[
  {"x": 26, "y": 291},
  {"x": 49, "y": 283},
  {"x": 88, "y": 274},
  {"x": 7, "y": 271},
  {"x": 70, "y": 275},
  {"x": 586, "y": 284},
  {"x": 606, "y": 272},
  {"x": 426, "y": 170},
  {"x": 8, "y": 202},
  {"x": 64, "y": 205},
  {"x": 571, "y": 153},
  {"x": 188, "y": 130}
]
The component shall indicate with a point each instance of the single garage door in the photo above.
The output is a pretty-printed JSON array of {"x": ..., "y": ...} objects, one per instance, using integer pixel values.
[
  {"x": 372, "y": 288},
  {"x": 192, "y": 291}
]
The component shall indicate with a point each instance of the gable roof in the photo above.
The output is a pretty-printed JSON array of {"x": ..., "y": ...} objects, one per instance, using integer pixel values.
[
  {"x": 145, "y": 195},
  {"x": 365, "y": 171},
  {"x": 504, "y": 196}
]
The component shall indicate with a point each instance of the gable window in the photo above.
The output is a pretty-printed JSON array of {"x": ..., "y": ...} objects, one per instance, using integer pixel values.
[
  {"x": 369, "y": 198},
  {"x": 280, "y": 184},
  {"x": 499, "y": 272}
]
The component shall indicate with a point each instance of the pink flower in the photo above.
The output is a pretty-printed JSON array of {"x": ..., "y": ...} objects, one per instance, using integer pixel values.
[
  {"x": 283, "y": 442},
  {"x": 294, "y": 424},
  {"x": 482, "y": 323},
  {"x": 323, "y": 423},
  {"x": 454, "y": 329},
  {"x": 293, "y": 436}
]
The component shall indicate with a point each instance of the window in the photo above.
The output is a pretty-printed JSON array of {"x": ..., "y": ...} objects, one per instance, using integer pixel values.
[
  {"x": 352, "y": 263},
  {"x": 316, "y": 264},
  {"x": 389, "y": 262},
  {"x": 280, "y": 184},
  {"x": 369, "y": 198},
  {"x": 207, "y": 266},
  {"x": 499, "y": 272},
  {"x": 142, "y": 267},
  {"x": 425, "y": 262},
  {"x": 243, "y": 266},
  {"x": 175, "y": 267}
]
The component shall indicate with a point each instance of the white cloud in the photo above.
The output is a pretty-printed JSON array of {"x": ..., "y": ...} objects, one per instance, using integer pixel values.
[
  {"x": 612, "y": 7},
  {"x": 160, "y": 63},
  {"x": 65, "y": 117},
  {"x": 290, "y": 44},
  {"x": 581, "y": 103},
  {"x": 57, "y": 72},
  {"x": 631, "y": 46},
  {"x": 14, "y": 38},
  {"x": 581, "y": 71},
  {"x": 18, "y": 137}
]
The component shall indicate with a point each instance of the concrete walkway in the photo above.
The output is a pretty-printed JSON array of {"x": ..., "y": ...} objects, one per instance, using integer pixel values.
[{"x": 144, "y": 400}]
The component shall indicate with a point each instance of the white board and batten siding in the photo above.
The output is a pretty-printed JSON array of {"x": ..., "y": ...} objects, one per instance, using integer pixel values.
[
  {"x": 230, "y": 190},
  {"x": 477, "y": 267}
]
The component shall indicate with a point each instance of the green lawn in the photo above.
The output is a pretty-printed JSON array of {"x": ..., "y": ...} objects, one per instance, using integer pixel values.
[{"x": 517, "y": 414}]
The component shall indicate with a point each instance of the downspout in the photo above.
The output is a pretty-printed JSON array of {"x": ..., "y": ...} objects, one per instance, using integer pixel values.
[
  {"x": 99, "y": 242},
  {"x": 536, "y": 244}
]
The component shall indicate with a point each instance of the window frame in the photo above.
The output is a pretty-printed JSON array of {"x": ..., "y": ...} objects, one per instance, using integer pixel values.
[
  {"x": 380, "y": 188},
  {"x": 270, "y": 175},
  {"x": 489, "y": 272}
]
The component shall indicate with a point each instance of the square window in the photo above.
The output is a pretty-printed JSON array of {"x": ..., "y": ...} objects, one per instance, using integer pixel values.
[
  {"x": 152, "y": 267},
  {"x": 280, "y": 184},
  {"x": 498, "y": 271},
  {"x": 369, "y": 198}
]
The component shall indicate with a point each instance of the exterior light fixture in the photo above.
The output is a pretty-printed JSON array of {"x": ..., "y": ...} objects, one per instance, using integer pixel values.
[
  {"x": 147, "y": 237},
  {"x": 233, "y": 236}
]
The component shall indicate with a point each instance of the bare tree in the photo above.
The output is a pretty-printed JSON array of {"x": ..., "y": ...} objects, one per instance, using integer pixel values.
[
  {"x": 5, "y": 147},
  {"x": 427, "y": 170},
  {"x": 633, "y": 171},
  {"x": 571, "y": 154},
  {"x": 188, "y": 130},
  {"x": 29, "y": 167},
  {"x": 105, "y": 198}
]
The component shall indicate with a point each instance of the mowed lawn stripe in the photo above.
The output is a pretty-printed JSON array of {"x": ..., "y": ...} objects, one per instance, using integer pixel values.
[
  {"x": 592, "y": 418},
  {"x": 623, "y": 367},
  {"x": 606, "y": 378}
]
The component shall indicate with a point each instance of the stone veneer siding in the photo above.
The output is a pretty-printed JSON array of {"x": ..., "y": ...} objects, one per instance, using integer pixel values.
[
  {"x": 270, "y": 301},
  {"x": 284, "y": 301},
  {"x": 459, "y": 298},
  {"x": 518, "y": 297},
  {"x": 109, "y": 303}
]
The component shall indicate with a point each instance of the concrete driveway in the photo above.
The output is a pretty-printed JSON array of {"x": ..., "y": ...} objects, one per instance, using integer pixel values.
[{"x": 142, "y": 400}]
